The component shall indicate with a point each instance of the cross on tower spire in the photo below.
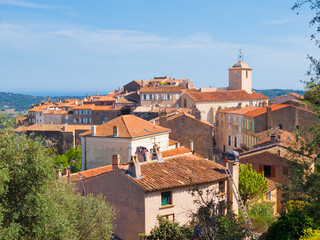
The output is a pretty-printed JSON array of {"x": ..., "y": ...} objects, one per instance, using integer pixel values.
[{"x": 240, "y": 56}]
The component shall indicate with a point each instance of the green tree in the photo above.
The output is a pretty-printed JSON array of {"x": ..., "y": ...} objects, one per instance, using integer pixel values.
[
  {"x": 168, "y": 230},
  {"x": 261, "y": 215},
  {"x": 209, "y": 220},
  {"x": 71, "y": 158},
  {"x": 34, "y": 205},
  {"x": 290, "y": 226},
  {"x": 251, "y": 183}
]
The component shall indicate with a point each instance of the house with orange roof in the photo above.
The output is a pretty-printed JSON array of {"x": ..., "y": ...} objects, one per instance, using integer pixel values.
[
  {"x": 229, "y": 128},
  {"x": 239, "y": 92},
  {"x": 161, "y": 96},
  {"x": 276, "y": 116},
  {"x": 59, "y": 136},
  {"x": 189, "y": 130},
  {"x": 273, "y": 161},
  {"x": 139, "y": 191},
  {"x": 125, "y": 135}
]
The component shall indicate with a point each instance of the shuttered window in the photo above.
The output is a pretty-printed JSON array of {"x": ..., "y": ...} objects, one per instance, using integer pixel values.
[{"x": 166, "y": 198}]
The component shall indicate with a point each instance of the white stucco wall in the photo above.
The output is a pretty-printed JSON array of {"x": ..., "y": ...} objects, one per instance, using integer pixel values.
[
  {"x": 98, "y": 151},
  {"x": 182, "y": 204}
]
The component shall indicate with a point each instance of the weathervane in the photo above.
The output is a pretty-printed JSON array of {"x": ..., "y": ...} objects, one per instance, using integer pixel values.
[{"x": 240, "y": 56}]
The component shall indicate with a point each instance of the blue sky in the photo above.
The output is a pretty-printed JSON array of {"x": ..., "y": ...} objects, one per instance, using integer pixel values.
[{"x": 99, "y": 45}]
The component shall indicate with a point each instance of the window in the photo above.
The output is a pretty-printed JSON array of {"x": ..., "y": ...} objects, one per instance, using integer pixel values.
[
  {"x": 221, "y": 186},
  {"x": 269, "y": 196},
  {"x": 163, "y": 96},
  {"x": 229, "y": 140},
  {"x": 168, "y": 96},
  {"x": 185, "y": 103},
  {"x": 169, "y": 217},
  {"x": 235, "y": 141},
  {"x": 245, "y": 123},
  {"x": 74, "y": 120},
  {"x": 246, "y": 74},
  {"x": 267, "y": 171},
  {"x": 166, "y": 198},
  {"x": 221, "y": 207},
  {"x": 280, "y": 126},
  {"x": 156, "y": 96},
  {"x": 79, "y": 120},
  {"x": 252, "y": 127},
  {"x": 89, "y": 120},
  {"x": 168, "y": 105},
  {"x": 76, "y": 111},
  {"x": 177, "y": 96},
  {"x": 67, "y": 117},
  {"x": 40, "y": 114},
  {"x": 150, "y": 96},
  {"x": 144, "y": 97},
  {"x": 89, "y": 111},
  {"x": 217, "y": 123}
]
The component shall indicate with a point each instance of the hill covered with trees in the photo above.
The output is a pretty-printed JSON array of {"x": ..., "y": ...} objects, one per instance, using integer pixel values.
[
  {"x": 22, "y": 102},
  {"x": 272, "y": 93}
]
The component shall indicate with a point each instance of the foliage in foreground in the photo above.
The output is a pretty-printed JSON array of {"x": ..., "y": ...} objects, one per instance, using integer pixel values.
[
  {"x": 34, "y": 205},
  {"x": 261, "y": 215},
  {"x": 290, "y": 226},
  {"x": 209, "y": 222},
  {"x": 251, "y": 184},
  {"x": 168, "y": 230},
  {"x": 71, "y": 158}
]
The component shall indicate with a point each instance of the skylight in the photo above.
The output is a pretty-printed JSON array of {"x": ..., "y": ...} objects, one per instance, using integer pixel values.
[{"x": 147, "y": 129}]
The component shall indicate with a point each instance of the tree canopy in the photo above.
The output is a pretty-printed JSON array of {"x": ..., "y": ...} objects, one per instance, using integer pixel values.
[
  {"x": 251, "y": 183},
  {"x": 34, "y": 205}
]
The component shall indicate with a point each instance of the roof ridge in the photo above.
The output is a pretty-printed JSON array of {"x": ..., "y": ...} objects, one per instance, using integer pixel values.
[{"x": 122, "y": 118}]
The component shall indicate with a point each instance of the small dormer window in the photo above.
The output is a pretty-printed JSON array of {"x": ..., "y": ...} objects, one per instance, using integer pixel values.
[{"x": 246, "y": 74}]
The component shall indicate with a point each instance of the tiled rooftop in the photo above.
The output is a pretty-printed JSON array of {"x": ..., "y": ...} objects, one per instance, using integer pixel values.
[
  {"x": 129, "y": 126},
  {"x": 230, "y": 95},
  {"x": 176, "y": 172}
]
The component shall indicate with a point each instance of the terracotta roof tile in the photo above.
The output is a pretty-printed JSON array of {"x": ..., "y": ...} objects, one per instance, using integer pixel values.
[
  {"x": 106, "y": 108},
  {"x": 229, "y": 95},
  {"x": 176, "y": 172},
  {"x": 263, "y": 110},
  {"x": 239, "y": 110},
  {"x": 85, "y": 106},
  {"x": 52, "y": 128},
  {"x": 175, "y": 152},
  {"x": 129, "y": 126},
  {"x": 182, "y": 114}
]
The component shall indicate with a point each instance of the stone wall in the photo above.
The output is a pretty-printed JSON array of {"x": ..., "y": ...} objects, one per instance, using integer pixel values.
[{"x": 185, "y": 128}]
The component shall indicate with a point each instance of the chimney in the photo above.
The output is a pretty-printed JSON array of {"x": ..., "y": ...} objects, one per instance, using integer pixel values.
[
  {"x": 269, "y": 117},
  {"x": 115, "y": 161},
  {"x": 272, "y": 138},
  {"x": 134, "y": 167},
  {"x": 239, "y": 105},
  {"x": 279, "y": 152},
  {"x": 156, "y": 154},
  {"x": 191, "y": 146},
  {"x": 93, "y": 130},
  {"x": 115, "y": 131},
  {"x": 163, "y": 117}
]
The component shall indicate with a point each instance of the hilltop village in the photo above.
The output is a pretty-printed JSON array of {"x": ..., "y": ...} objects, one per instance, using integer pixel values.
[{"x": 146, "y": 144}]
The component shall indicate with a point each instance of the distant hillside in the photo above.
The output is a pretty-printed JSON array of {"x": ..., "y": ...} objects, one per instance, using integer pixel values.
[
  {"x": 22, "y": 102},
  {"x": 272, "y": 93}
]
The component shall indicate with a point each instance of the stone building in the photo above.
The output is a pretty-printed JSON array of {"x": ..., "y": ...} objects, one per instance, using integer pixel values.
[
  {"x": 135, "y": 85},
  {"x": 287, "y": 97},
  {"x": 272, "y": 160},
  {"x": 124, "y": 135},
  {"x": 229, "y": 128},
  {"x": 60, "y": 136},
  {"x": 161, "y": 96},
  {"x": 276, "y": 116},
  {"x": 185, "y": 127},
  {"x": 141, "y": 191},
  {"x": 239, "y": 92}
]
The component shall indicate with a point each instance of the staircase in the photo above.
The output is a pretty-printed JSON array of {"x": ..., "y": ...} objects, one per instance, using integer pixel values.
[{"x": 240, "y": 203}]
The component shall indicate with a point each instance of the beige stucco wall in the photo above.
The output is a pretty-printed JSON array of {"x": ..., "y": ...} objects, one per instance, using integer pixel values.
[
  {"x": 161, "y": 139},
  {"x": 238, "y": 80},
  {"x": 125, "y": 196},
  {"x": 52, "y": 118},
  {"x": 234, "y": 128},
  {"x": 182, "y": 204},
  {"x": 157, "y": 100}
]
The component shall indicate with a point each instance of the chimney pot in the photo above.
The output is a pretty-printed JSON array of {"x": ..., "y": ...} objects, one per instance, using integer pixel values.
[
  {"x": 134, "y": 167},
  {"x": 93, "y": 130},
  {"x": 191, "y": 146},
  {"x": 273, "y": 138},
  {"x": 115, "y": 161},
  {"x": 115, "y": 131}
]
